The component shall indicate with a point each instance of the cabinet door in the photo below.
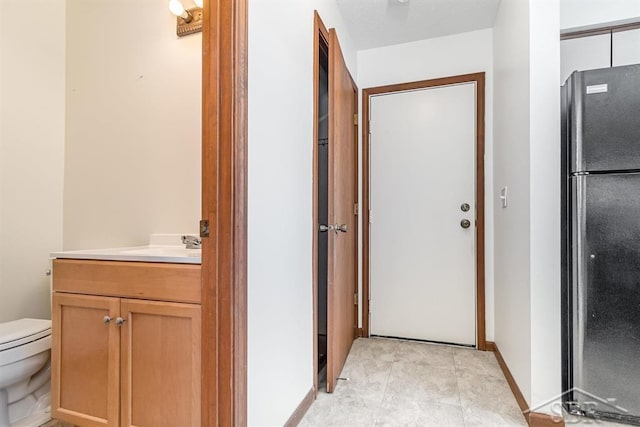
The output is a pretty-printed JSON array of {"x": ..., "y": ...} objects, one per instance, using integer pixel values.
[
  {"x": 584, "y": 53},
  {"x": 85, "y": 360},
  {"x": 626, "y": 47},
  {"x": 160, "y": 358}
]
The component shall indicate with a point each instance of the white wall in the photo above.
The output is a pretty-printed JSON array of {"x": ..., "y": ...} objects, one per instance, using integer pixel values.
[
  {"x": 280, "y": 226},
  {"x": 545, "y": 201},
  {"x": 586, "y": 13},
  {"x": 443, "y": 57},
  {"x": 527, "y": 160},
  {"x": 511, "y": 169},
  {"x": 133, "y": 124},
  {"x": 31, "y": 151}
]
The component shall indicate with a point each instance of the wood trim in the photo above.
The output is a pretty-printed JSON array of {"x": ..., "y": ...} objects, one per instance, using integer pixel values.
[
  {"x": 537, "y": 419},
  {"x": 479, "y": 79},
  {"x": 608, "y": 29},
  {"x": 301, "y": 410},
  {"x": 358, "y": 215},
  {"x": 365, "y": 209},
  {"x": 534, "y": 419},
  {"x": 522, "y": 403},
  {"x": 320, "y": 33},
  {"x": 224, "y": 205},
  {"x": 144, "y": 280},
  {"x": 480, "y": 211}
]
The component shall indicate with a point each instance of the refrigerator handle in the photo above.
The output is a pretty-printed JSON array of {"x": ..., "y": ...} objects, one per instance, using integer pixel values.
[{"x": 580, "y": 274}]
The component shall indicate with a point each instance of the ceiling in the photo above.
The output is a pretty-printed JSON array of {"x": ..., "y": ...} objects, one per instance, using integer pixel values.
[{"x": 377, "y": 23}]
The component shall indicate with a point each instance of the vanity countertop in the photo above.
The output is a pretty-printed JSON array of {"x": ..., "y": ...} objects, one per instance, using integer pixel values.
[{"x": 150, "y": 253}]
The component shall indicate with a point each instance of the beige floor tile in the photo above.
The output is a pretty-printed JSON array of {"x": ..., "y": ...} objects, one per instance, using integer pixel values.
[
  {"x": 56, "y": 423},
  {"x": 374, "y": 348},
  {"x": 403, "y": 383},
  {"x": 487, "y": 400},
  {"x": 476, "y": 362},
  {"x": 424, "y": 383},
  {"x": 437, "y": 356},
  {"x": 366, "y": 378},
  {"x": 340, "y": 411},
  {"x": 403, "y": 411}
]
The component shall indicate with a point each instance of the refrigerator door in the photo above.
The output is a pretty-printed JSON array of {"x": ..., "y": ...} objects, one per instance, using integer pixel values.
[
  {"x": 605, "y": 131},
  {"x": 606, "y": 293}
]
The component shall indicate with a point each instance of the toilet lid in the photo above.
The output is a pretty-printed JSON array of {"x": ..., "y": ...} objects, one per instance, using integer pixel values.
[{"x": 18, "y": 332}]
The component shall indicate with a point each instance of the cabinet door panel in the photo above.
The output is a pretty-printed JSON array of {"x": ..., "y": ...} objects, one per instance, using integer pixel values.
[
  {"x": 85, "y": 360},
  {"x": 584, "y": 53},
  {"x": 160, "y": 358},
  {"x": 626, "y": 47}
]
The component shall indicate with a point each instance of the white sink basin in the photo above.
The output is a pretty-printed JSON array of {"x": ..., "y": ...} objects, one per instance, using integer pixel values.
[
  {"x": 151, "y": 253},
  {"x": 168, "y": 251}
]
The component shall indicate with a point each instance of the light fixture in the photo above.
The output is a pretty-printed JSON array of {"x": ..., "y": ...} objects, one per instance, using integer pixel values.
[{"x": 188, "y": 21}]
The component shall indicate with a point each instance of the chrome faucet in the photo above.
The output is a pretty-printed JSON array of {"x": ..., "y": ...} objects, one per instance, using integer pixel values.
[{"x": 192, "y": 242}]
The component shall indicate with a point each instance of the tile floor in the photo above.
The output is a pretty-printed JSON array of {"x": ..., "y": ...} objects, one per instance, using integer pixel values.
[
  {"x": 54, "y": 423},
  {"x": 404, "y": 383},
  {"x": 401, "y": 383}
]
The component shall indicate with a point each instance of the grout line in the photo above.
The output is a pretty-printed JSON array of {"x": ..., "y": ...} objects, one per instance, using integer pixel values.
[
  {"x": 455, "y": 370},
  {"x": 376, "y": 417}
]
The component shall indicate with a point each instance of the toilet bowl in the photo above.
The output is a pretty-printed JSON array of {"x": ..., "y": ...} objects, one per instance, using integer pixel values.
[{"x": 25, "y": 377}]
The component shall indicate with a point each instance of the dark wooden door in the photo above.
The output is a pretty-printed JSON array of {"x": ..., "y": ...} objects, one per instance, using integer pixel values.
[{"x": 342, "y": 245}]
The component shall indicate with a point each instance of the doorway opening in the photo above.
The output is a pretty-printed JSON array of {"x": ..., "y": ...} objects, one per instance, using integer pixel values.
[
  {"x": 335, "y": 216},
  {"x": 401, "y": 287},
  {"x": 322, "y": 184}
]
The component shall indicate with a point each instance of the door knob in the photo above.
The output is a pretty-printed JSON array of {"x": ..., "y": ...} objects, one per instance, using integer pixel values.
[
  {"x": 106, "y": 320},
  {"x": 120, "y": 321},
  {"x": 324, "y": 228},
  {"x": 465, "y": 223},
  {"x": 342, "y": 228}
]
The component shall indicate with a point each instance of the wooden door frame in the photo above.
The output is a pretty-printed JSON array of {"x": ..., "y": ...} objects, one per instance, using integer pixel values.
[
  {"x": 479, "y": 80},
  {"x": 320, "y": 33},
  {"x": 224, "y": 205}
]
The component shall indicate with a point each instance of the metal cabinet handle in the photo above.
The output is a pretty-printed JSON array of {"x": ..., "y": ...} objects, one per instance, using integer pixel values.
[
  {"x": 465, "y": 223},
  {"x": 106, "y": 320},
  {"x": 324, "y": 228},
  {"x": 342, "y": 228},
  {"x": 120, "y": 321}
]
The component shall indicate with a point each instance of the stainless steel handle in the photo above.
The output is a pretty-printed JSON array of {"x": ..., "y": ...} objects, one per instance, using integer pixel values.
[
  {"x": 465, "y": 223},
  {"x": 120, "y": 321},
  {"x": 106, "y": 320},
  {"x": 324, "y": 228},
  {"x": 465, "y": 207},
  {"x": 341, "y": 227}
]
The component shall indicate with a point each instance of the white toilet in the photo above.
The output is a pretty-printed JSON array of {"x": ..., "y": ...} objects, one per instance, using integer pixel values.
[{"x": 25, "y": 372}]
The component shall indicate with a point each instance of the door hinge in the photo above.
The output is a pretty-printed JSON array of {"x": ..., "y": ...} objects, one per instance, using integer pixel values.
[
  {"x": 355, "y": 298},
  {"x": 355, "y": 119},
  {"x": 356, "y": 209},
  {"x": 204, "y": 228}
]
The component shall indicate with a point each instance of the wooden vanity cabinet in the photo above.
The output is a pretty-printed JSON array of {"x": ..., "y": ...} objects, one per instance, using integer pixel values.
[{"x": 121, "y": 361}]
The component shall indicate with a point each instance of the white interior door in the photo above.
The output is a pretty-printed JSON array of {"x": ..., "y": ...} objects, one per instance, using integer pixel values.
[{"x": 422, "y": 277}]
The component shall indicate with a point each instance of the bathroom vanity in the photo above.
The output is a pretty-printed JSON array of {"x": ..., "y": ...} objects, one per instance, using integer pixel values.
[{"x": 126, "y": 342}]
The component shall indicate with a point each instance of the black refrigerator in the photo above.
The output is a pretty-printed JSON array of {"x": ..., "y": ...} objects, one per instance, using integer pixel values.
[{"x": 601, "y": 243}]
